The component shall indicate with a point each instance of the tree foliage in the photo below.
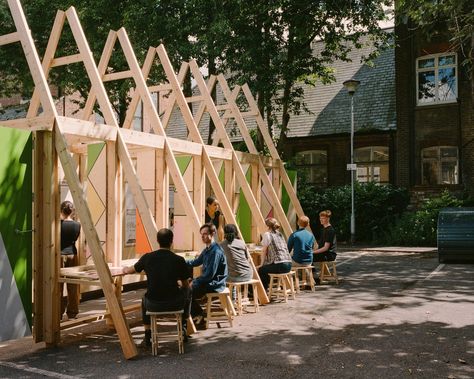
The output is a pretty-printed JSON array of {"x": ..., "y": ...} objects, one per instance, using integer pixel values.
[{"x": 267, "y": 44}]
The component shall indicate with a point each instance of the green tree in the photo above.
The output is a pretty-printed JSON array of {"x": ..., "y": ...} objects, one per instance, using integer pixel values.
[
  {"x": 264, "y": 43},
  {"x": 271, "y": 48}
]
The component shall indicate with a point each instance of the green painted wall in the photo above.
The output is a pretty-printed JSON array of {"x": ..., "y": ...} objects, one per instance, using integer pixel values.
[{"x": 15, "y": 208}]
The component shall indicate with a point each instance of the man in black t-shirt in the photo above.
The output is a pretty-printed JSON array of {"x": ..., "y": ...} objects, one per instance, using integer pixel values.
[{"x": 167, "y": 282}]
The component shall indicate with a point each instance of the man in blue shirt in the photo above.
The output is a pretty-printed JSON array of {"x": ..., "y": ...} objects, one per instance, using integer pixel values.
[
  {"x": 214, "y": 269},
  {"x": 301, "y": 242}
]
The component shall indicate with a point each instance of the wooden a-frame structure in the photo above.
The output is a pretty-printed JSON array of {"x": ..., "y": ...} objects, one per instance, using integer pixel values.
[{"x": 62, "y": 140}]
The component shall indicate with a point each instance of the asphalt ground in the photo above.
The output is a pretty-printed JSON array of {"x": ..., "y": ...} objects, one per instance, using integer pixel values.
[{"x": 394, "y": 314}]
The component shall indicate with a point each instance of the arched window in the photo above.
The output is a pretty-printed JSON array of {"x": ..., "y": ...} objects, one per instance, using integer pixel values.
[
  {"x": 313, "y": 164},
  {"x": 372, "y": 164},
  {"x": 440, "y": 165}
]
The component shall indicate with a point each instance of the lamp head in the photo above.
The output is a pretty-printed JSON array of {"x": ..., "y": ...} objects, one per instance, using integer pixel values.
[{"x": 351, "y": 85}]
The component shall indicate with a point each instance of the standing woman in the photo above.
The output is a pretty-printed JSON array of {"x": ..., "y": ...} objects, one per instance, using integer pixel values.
[
  {"x": 214, "y": 216},
  {"x": 277, "y": 259},
  {"x": 70, "y": 230},
  {"x": 237, "y": 255}
]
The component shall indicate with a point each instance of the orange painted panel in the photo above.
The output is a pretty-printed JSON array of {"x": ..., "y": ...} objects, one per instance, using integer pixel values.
[{"x": 142, "y": 245}]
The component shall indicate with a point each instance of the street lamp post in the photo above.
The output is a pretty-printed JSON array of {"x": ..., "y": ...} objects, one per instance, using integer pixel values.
[{"x": 351, "y": 86}]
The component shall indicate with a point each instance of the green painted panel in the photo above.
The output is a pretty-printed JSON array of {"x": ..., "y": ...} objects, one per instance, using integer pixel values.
[
  {"x": 285, "y": 199},
  {"x": 183, "y": 163},
  {"x": 244, "y": 216},
  {"x": 93, "y": 152},
  {"x": 16, "y": 207}
]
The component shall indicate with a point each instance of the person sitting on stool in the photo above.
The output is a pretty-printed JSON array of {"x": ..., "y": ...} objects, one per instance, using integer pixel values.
[
  {"x": 327, "y": 244},
  {"x": 167, "y": 282},
  {"x": 214, "y": 270}
]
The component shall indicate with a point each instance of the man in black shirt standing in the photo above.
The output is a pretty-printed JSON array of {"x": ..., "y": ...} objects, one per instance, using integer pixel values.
[{"x": 167, "y": 282}]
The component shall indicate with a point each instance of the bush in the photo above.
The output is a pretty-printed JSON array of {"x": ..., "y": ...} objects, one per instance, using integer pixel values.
[
  {"x": 419, "y": 228},
  {"x": 375, "y": 207}
]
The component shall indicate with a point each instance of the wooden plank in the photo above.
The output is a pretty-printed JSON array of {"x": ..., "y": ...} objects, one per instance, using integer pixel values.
[
  {"x": 275, "y": 199},
  {"x": 132, "y": 137},
  {"x": 195, "y": 135},
  {"x": 199, "y": 182},
  {"x": 63, "y": 61},
  {"x": 46, "y": 304},
  {"x": 102, "y": 67},
  {"x": 117, "y": 76},
  {"x": 88, "y": 129},
  {"x": 240, "y": 175},
  {"x": 114, "y": 195},
  {"x": 158, "y": 128},
  {"x": 273, "y": 151},
  {"x": 48, "y": 322},
  {"x": 9, "y": 38},
  {"x": 105, "y": 277},
  {"x": 48, "y": 56},
  {"x": 161, "y": 190},
  {"x": 121, "y": 326},
  {"x": 33, "y": 124},
  {"x": 193, "y": 99}
]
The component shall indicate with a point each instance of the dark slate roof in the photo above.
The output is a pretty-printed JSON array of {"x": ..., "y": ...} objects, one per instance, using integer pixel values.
[
  {"x": 13, "y": 112},
  {"x": 374, "y": 100}
]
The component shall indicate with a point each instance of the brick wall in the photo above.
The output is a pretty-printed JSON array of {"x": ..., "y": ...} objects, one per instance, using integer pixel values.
[
  {"x": 433, "y": 125},
  {"x": 338, "y": 148}
]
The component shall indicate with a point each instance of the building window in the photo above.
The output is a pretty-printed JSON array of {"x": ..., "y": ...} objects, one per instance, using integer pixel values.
[
  {"x": 440, "y": 165},
  {"x": 372, "y": 164},
  {"x": 436, "y": 79},
  {"x": 313, "y": 165}
]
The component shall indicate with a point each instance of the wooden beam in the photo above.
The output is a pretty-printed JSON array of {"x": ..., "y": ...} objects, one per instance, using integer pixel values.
[
  {"x": 87, "y": 226},
  {"x": 88, "y": 129},
  {"x": 273, "y": 151},
  {"x": 158, "y": 128},
  {"x": 9, "y": 38},
  {"x": 33, "y": 124},
  {"x": 117, "y": 76},
  {"x": 63, "y": 61},
  {"x": 37, "y": 97}
]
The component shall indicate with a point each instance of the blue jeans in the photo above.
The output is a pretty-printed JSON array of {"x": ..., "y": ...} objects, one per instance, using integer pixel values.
[{"x": 273, "y": 268}]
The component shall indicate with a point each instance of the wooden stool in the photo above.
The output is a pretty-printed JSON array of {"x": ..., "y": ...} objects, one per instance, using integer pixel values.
[
  {"x": 328, "y": 271},
  {"x": 225, "y": 309},
  {"x": 242, "y": 298},
  {"x": 306, "y": 277},
  {"x": 281, "y": 285},
  {"x": 156, "y": 318}
]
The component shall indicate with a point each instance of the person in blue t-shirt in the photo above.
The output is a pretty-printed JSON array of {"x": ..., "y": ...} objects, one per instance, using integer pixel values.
[
  {"x": 214, "y": 270},
  {"x": 301, "y": 242}
]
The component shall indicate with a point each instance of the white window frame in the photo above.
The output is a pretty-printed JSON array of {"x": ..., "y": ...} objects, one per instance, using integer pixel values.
[
  {"x": 435, "y": 68},
  {"x": 440, "y": 161},
  {"x": 371, "y": 163}
]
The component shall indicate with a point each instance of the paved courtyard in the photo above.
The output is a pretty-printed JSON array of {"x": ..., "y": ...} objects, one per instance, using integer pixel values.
[{"x": 396, "y": 313}]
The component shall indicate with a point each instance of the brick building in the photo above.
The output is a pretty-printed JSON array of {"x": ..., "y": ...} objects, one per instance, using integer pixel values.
[
  {"x": 435, "y": 115},
  {"x": 319, "y": 141}
]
